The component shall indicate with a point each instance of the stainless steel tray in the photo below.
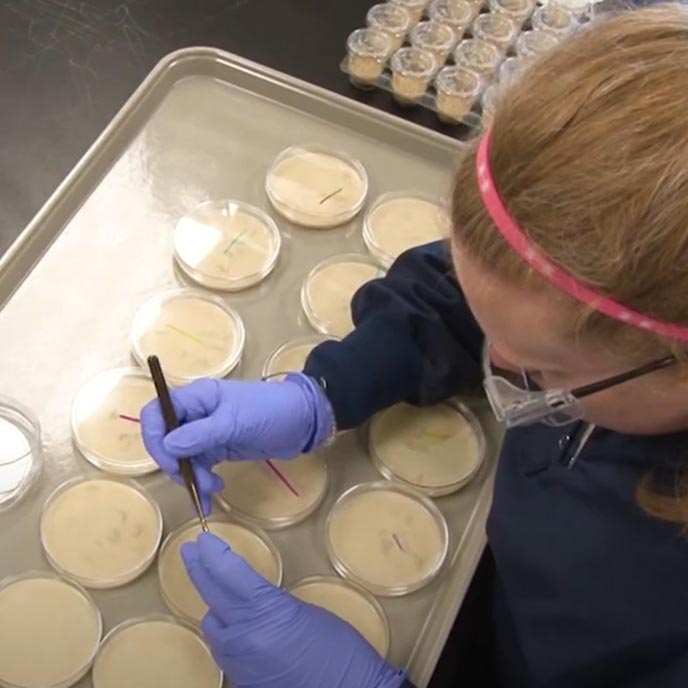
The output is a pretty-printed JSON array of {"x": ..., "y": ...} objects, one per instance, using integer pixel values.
[{"x": 206, "y": 125}]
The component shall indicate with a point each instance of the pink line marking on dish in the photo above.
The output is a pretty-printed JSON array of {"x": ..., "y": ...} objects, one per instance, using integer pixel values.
[
  {"x": 123, "y": 416},
  {"x": 398, "y": 541},
  {"x": 281, "y": 477}
]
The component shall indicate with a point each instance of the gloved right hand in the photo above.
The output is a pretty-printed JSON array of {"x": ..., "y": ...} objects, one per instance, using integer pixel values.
[{"x": 234, "y": 420}]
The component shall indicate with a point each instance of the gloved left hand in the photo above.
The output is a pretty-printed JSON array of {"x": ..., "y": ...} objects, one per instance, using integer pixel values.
[{"x": 263, "y": 637}]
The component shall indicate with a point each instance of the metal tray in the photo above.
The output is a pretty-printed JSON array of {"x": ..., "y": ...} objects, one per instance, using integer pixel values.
[{"x": 206, "y": 125}]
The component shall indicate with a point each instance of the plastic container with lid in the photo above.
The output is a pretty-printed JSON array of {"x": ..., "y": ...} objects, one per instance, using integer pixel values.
[
  {"x": 105, "y": 421},
  {"x": 291, "y": 356},
  {"x": 478, "y": 56},
  {"x": 195, "y": 335},
  {"x": 437, "y": 449},
  {"x": 457, "y": 89},
  {"x": 227, "y": 245},
  {"x": 367, "y": 52},
  {"x": 458, "y": 14},
  {"x": 414, "y": 7},
  {"x": 435, "y": 38},
  {"x": 350, "y": 602},
  {"x": 531, "y": 44},
  {"x": 394, "y": 20},
  {"x": 516, "y": 10},
  {"x": 316, "y": 187},
  {"x": 21, "y": 457},
  {"x": 330, "y": 286},
  {"x": 400, "y": 220},
  {"x": 49, "y": 631},
  {"x": 554, "y": 17},
  {"x": 412, "y": 69},
  {"x": 156, "y": 651},
  {"x": 101, "y": 532},
  {"x": 495, "y": 28},
  {"x": 387, "y": 537},
  {"x": 249, "y": 542}
]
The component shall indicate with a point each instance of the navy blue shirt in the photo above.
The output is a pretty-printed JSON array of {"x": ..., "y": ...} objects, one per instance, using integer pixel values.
[{"x": 589, "y": 590}]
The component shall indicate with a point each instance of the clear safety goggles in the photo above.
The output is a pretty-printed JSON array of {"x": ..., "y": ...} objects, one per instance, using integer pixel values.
[{"x": 516, "y": 400}]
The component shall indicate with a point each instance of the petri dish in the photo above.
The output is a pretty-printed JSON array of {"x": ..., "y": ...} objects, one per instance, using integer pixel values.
[
  {"x": 349, "y": 602},
  {"x": 250, "y": 542},
  {"x": 516, "y": 10},
  {"x": 291, "y": 356},
  {"x": 20, "y": 451},
  {"x": 394, "y": 20},
  {"x": 401, "y": 220},
  {"x": 457, "y": 89},
  {"x": 387, "y": 537},
  {"x": 458, "y": 14},
  {"x": 274, "y": 494},
  {"x": 531, "y": 44},
  {"x": 316, "y": 187},
  {"x": 435, "y": 37},
  {"x": 412, "y": 69},
  {"x": 495, "y": 28},
  {"x": 330, "y": 286},
  {"x": 227, "y": 245},
  {"x": 436, "y": 449},
  {"x": 555, "y": 18},
  {"x": 414, "y": 7},
  {"x": 155, "y": 651},
  {"x": 478, "y": 56},
  {"x": 510, "y": 70},
  {"x": 58, "y": 619},
  {"x": 194, "y": 334},
  {"x": 101, "y": 532},
  {"x": 367, "y": 52},
  {"x": 105, "y": 421},
  {"x": 488, "y": 104}
]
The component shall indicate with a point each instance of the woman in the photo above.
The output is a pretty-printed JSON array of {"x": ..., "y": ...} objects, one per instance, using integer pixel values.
[{"x": 568, "y": 267}]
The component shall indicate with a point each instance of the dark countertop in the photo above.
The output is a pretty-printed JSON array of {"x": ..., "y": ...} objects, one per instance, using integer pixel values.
[{"x": 66, "y": 67}]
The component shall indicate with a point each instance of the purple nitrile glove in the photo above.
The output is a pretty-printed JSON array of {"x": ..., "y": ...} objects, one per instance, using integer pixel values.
[
  {"x": 234, "y": 420},
  {"x": 263, "y": 637}
]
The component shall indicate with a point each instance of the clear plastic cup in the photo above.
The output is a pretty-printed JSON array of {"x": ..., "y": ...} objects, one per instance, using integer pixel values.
[
  {"x": 488, "y": 104},
  {"x": 531, "y": 44},
  {"x": 478, "y": 56},
  {"x": 59, "y": 612},
  {"x": 21, "y": 458},
  {"x": 495, "y": 28},
  {"x": 105, "y": 421},
  {"x": 227, "y": 245},
  {"x": 330, "y": 286},
  {"x": 436, "y": 450},
  {"x": 350, "y": 602},
  {"x": 435, "y": 38},
  {"x": 155, "y": 650},
  {"x": 457, "y": 89},
  {"x": 412, "y": 70},
  {"x": 458, "y": 14},
  {"x": 102, "y": 532},
  {"x": 516, "y": 10},
  {"x": 394, "y": 20},
  {"x": 195, "y": 334},
  {"x": 555, "y": 18},
  {"x": 400, "y": 220},
  {"x": 367, "y": 53},
  {"x": 316, "y": 187},
  {"x": 291, "y": 356},
  {"x": 387, "y": 537},
  {"x": 510, "y": 70},
  {"x": 415, "y": 8}
]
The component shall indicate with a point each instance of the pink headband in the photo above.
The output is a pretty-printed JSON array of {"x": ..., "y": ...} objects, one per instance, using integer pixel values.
[{"x": 518, "y": 241}]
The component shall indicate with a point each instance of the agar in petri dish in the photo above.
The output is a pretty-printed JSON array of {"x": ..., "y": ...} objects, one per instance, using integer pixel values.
[
  {"x": 387, "y": 537},
  {"x": 274, "y": 494},
  {"x": 155, "y": 651},
  {"x": 105, "y": 421},
  {"x": 316, "y": 187},
  {"x": 56, "y": 618},
  {"x": 401, "y": 220},
  {"x": 20, "y": 451},
  {"x": 436, "y": 449},
  {"x": 194, "y": 334},
  {"x": 247, "y": 541},
  {"x": 291, "y": 356},
  {"x": 227, "y": 245},
  {"x": 350, "y": 602},
  {"x": 330, "y": 286},
  {"x": 102, "y": 532}
]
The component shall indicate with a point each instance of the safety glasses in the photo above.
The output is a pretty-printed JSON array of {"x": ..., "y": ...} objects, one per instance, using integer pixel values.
[{"x": 516, "y": 400}]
